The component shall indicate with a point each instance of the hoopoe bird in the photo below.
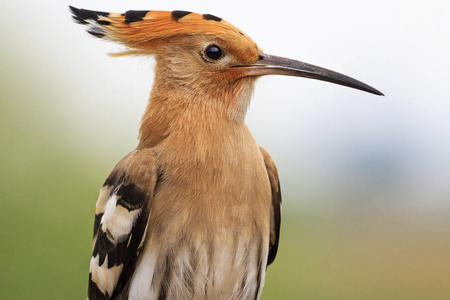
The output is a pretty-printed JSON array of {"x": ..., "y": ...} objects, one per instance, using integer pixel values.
[{"x": 194, "y": 211}]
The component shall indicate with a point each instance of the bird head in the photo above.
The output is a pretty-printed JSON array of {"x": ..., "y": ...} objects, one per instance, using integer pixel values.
[{"x": 200, "y": 54}]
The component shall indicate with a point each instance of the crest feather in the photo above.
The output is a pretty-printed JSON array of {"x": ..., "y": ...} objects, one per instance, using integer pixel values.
[{"x": 136, "y": 28}]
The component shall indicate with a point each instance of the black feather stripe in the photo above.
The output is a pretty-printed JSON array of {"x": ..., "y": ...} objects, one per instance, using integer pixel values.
[
  {"x": 81, "y": 15},
  {"x": 276, "y": 207},
  {"x": 102, "y": 246},
  {"x": 96, "y": 33},
  {"x": 135, "y": 16},
  {"x": 117, "y": 256},
  {"x": 93, "y": 291},
  {"x": 178, "y": 14},
  {"x": 211, "y": 18},
  {"x": 97, "y": 220},
  {"x": 130, "y": 196}
]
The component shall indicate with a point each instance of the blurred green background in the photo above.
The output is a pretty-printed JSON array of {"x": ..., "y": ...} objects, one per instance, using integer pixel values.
[{"x": 366, "y": 194}]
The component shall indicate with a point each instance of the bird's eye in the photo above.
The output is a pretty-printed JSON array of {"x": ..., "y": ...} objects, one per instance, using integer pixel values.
[{"x": 213, "y": 52}]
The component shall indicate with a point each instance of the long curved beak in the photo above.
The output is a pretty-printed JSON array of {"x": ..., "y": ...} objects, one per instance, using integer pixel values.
[{"x": 275, "y": 65}]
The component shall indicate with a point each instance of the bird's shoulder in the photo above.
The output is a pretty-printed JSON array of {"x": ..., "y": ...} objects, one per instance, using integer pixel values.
[{"x": 121, "y": 217}]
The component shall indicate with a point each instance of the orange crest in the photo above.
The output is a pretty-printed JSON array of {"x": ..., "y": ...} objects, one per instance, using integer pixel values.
[{"x": 137, "y": 28}]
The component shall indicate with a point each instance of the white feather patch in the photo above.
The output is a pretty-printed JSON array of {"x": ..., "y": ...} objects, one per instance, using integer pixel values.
[
  {"x": 105, "y": 278},
  {"x": 117, "y": 221},
  {"x": 141, "y": 287}
]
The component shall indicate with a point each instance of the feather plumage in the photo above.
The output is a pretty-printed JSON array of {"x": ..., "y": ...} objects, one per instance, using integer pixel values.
[
  {"x": 122, "y": 213},
  {"x": 275, "y": 214},
  {"x": 194, "y": 211}
]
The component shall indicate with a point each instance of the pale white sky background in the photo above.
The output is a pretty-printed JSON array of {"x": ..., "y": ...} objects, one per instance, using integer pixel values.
[{"x": 330, "y": 142}]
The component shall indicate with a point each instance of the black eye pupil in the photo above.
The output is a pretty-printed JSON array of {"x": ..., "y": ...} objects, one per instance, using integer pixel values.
[{"x": 213, "y": 52}]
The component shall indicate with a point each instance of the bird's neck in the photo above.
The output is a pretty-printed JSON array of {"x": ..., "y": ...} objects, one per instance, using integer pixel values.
[{"x": 172, "y": 110}]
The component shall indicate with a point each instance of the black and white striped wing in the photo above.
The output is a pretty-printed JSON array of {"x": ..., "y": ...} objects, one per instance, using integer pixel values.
[{"x": 121, "y": 216}]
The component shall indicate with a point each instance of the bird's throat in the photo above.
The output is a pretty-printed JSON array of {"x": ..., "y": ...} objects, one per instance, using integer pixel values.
[{"x": 192, "y": 114}]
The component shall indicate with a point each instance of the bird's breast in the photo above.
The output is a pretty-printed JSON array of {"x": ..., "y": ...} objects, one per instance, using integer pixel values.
[
  {"x": 213, "y": 178},
  {"x": 209, "y": 224}
]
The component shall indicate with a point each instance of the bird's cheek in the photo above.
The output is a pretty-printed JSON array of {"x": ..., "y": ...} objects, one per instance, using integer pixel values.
[{"x": 234, "y": 74}]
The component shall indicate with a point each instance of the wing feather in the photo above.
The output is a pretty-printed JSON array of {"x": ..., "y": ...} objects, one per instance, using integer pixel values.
[
  {"x": 275, "y": 221},
  {"x": 122, "y": 213}
]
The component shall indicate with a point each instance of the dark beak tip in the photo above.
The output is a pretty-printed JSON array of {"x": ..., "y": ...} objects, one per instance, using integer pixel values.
[{"x": 376, "y": 92}]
